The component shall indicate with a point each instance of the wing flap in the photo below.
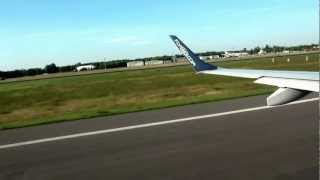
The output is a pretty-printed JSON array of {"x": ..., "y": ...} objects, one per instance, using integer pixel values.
[
  {"x": 307, "y": 85},
  {"x": 257, "y": 73}
]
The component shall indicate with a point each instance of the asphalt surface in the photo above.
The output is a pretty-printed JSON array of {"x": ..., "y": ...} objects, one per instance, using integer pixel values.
[{"x": 279, "y": 143}]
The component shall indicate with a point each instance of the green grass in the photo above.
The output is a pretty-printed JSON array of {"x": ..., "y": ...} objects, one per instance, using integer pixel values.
[{"x": 70, "y": 98}]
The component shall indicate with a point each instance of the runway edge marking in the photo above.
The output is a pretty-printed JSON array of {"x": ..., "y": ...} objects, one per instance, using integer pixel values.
[{"x": 72, "y": 136}]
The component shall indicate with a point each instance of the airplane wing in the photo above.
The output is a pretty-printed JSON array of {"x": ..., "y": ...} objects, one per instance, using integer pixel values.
[{"x": 292, "y": 84}]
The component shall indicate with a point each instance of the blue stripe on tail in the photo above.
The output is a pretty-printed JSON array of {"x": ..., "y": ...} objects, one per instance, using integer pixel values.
[{"x": 194, "y": 60}]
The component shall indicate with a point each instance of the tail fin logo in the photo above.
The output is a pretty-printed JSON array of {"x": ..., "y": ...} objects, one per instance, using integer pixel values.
[{"x": 185, "y": 52}]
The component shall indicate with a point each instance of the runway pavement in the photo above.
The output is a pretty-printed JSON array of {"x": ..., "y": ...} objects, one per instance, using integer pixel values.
[{"x": 223, "y": 140}]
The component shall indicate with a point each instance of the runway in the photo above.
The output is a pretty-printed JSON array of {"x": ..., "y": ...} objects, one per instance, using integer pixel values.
[{"x": 234, "y": 139}]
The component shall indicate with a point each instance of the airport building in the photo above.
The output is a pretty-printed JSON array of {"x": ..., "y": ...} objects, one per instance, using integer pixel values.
[
  {"x": 209, "y": 57},
  {"x": 86, "y": 67},
  {"x": 147, "y": 63},
  {"x": 286, "y": 52},
  {"x": 261, "y": 52},
  {"x": 153, "y": 62},
  {"x": 135, "y": 64},
  {"x": 169, "y": 61},
  {"x": 180, "y": 60}
]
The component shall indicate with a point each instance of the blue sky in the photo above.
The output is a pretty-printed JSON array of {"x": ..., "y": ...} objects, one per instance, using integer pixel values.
[{"x": 34, "y": 33}]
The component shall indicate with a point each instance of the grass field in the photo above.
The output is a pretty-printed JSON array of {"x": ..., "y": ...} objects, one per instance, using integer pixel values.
[{"x": 70, "y": 98}]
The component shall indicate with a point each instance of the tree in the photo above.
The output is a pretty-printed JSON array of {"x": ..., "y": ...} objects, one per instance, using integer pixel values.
[
  {"x": 34, "y": 71},
  {"x": 256, "y": 50},
  {"x": 51, "y": 68},
  {"x": 66, "y": 68},
  {"x": 267, "y": 49},
  {"x": 2, "y": 75},
  {"x": 278, "y": 48}
]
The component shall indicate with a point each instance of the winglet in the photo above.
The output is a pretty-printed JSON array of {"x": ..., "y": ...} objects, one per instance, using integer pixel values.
[{"x": 197, "y": 64}]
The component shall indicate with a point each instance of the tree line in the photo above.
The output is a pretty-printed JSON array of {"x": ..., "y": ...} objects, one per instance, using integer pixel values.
[
  {"x": 267, "y": 48},
  {"x": 52, "y": 68}
]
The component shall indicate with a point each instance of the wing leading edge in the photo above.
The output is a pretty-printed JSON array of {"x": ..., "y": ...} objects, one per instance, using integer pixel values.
[{"x": 303, "y": 81}]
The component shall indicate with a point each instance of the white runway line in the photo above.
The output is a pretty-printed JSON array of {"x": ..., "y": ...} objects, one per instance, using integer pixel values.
[{"x": 72, "y": 136}]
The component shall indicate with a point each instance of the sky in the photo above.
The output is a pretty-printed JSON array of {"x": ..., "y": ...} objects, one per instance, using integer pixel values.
[{"x": 34, "y": 33}]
